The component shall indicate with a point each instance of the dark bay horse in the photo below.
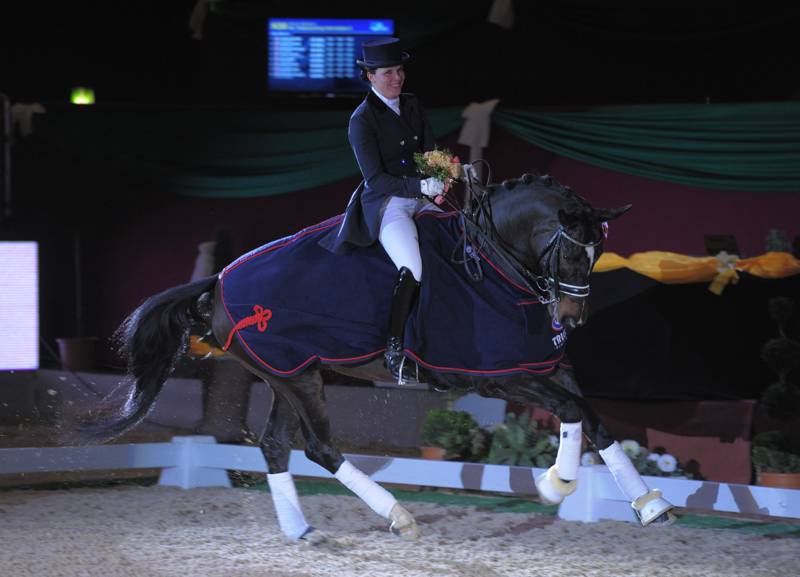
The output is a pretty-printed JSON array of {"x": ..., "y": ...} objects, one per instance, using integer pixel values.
[{"x": 540, "y": 232}]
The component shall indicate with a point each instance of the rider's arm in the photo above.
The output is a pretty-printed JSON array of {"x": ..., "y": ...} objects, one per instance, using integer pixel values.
[{"x": 367, "y": 150}]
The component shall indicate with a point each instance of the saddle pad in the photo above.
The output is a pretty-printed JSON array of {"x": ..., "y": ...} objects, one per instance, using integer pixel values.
[{"x": 292, "y": 302}]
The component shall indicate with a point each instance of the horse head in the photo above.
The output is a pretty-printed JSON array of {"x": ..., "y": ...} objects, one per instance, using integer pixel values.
[{"x": 556, "y": 235}]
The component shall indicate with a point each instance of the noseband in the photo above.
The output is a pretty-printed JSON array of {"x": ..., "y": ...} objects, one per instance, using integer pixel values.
[{"x": 551, "y": 253}]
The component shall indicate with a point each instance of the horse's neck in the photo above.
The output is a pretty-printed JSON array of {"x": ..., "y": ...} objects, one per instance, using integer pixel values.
[{"x": 515, "y": 219}]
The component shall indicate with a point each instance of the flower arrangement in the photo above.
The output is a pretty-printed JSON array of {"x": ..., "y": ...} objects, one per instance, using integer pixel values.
[
  {"x": 646, "y": 462},
  {"x": 441, "y": 165},
  {"x": 521, "y": 441}
]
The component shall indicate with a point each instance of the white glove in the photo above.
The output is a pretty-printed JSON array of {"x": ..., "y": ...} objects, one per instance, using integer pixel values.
[{"x": 431, "y": 187}]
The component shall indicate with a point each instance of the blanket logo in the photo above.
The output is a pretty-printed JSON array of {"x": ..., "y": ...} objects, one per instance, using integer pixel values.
[
  {"x": 260, "y": 317},
  {"x": 559, "y": 340}
]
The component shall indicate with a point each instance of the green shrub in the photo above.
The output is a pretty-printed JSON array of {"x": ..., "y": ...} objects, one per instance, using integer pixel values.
[
  {"x": 776, "y": 452},
  {"x": 518, "y": 441},
  {"x": 457, "y": 432}
]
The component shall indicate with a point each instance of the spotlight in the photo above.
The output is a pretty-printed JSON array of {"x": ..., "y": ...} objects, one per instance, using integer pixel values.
[{"x": 82, "y": 95}]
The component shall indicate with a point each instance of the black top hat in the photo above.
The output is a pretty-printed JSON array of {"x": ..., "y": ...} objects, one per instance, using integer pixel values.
[{"x": 382, "y": 53}]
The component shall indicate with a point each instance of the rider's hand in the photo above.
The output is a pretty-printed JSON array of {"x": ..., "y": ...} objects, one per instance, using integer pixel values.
[{"x": 432, "y": 187}]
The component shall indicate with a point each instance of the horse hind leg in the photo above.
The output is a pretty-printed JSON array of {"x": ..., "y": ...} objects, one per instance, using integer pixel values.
[
  {"x": 276, "y": 445},
  {"x": 307, "y": 390},
  {"x": 305, "y": 395}
]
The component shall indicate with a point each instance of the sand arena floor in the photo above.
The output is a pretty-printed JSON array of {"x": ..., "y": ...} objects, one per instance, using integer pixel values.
[{"x": 152, "y": 531}]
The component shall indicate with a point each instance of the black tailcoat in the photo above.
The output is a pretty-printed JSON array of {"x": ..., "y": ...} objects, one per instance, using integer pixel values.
[{"x": 384, "y": 144}]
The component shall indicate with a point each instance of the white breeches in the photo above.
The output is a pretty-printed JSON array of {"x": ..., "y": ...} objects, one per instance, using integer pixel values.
[{"x": 398, "y": 233}]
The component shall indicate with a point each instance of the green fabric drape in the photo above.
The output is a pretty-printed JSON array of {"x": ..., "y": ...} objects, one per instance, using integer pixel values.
[
  {"x": 235, "y": 153},
  {"x": 213, "y": 152},
  {"x": 754, "y": 147}
]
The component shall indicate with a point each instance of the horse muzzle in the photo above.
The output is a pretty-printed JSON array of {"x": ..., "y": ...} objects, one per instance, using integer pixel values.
[{"x": 570, "y": 313}]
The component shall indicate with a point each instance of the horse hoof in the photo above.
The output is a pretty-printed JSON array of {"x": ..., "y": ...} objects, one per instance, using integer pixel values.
[
  {"x": 313, "y": 538},
  {"x": 652, "y": 508},
  {"x": 551, "y": 488},
  {"x": 403, "y": 524},
  {"x": 664, "y": 520}
]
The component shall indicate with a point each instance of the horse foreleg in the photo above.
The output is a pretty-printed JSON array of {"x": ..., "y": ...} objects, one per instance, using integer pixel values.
[
  {"x": 648, "y": 504},
  {"x": 308, "y": 390}
]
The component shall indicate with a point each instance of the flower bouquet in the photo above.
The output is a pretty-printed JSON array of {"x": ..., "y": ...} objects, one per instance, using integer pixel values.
[{"x": 442, "y": 165}]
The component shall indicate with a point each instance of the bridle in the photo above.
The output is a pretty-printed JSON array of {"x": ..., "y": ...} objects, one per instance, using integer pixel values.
[
  {"x": 475, "y": 238},
  {"x": 551, "y": 254}
]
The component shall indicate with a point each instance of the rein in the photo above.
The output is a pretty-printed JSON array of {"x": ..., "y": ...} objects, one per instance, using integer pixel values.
[{"x": 475, "y": 238}]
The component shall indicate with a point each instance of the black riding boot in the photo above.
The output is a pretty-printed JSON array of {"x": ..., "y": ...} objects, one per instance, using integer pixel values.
[{"x": 403, "y": 296}]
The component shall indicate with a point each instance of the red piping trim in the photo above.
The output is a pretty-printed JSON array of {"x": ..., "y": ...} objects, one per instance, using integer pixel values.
[
  {"x": 522, "y": 367},
  {"x": 293, "y": 238}
]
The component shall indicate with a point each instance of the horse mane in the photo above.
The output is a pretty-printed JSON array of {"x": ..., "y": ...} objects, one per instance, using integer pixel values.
[
  {"x": 574, "y": 203},
  {"x": 532, "y": 186}
]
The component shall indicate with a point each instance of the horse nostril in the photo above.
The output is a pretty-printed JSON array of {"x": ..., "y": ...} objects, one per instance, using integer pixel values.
[{"x": 569, "y": 322}]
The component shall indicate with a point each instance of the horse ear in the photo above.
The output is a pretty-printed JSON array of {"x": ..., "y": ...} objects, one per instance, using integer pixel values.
[{"x": 606, "y": 214}]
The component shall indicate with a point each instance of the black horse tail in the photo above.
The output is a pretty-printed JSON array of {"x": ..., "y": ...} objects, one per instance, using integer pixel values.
[{"x": 152, "y": 339}]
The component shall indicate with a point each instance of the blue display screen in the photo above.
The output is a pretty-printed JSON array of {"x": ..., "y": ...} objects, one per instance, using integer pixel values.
[{"x": 318, "y": 56}]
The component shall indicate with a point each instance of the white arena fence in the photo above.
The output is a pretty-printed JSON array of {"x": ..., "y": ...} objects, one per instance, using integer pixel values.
[{"x": 198, "y": 461}]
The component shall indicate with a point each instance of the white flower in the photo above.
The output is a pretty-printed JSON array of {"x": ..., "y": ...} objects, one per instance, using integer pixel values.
[
  {"x": 590, "y": 458},
  {"x": 631, "y": 448},
  {"x": 553, "y": 440},
  {"x": 667, "y": 463},
  {"x": 653, "y": 457}
]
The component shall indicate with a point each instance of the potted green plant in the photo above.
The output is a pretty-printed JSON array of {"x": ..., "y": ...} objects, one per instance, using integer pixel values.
[
  {"x": 776, "y": 453},
  {"x": 519, "y": 441},
  {"x": 452, "y": 435},
  {"x": 776, "y": 459}
]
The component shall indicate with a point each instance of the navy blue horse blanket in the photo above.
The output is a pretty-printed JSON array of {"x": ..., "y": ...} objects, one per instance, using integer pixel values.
[{"x": 292, "y": 303}]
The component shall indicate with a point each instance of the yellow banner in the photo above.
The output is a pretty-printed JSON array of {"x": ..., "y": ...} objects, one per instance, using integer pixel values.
[{"x": 674, "y": 268}]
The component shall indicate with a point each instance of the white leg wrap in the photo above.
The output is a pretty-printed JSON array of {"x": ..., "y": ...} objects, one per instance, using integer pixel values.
[
  {"x": 287, "y": 505},
  {"x": 569, "y": 451},
  {"x": 379, "y": 499},
  {"x": 625, "y": 474}
]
